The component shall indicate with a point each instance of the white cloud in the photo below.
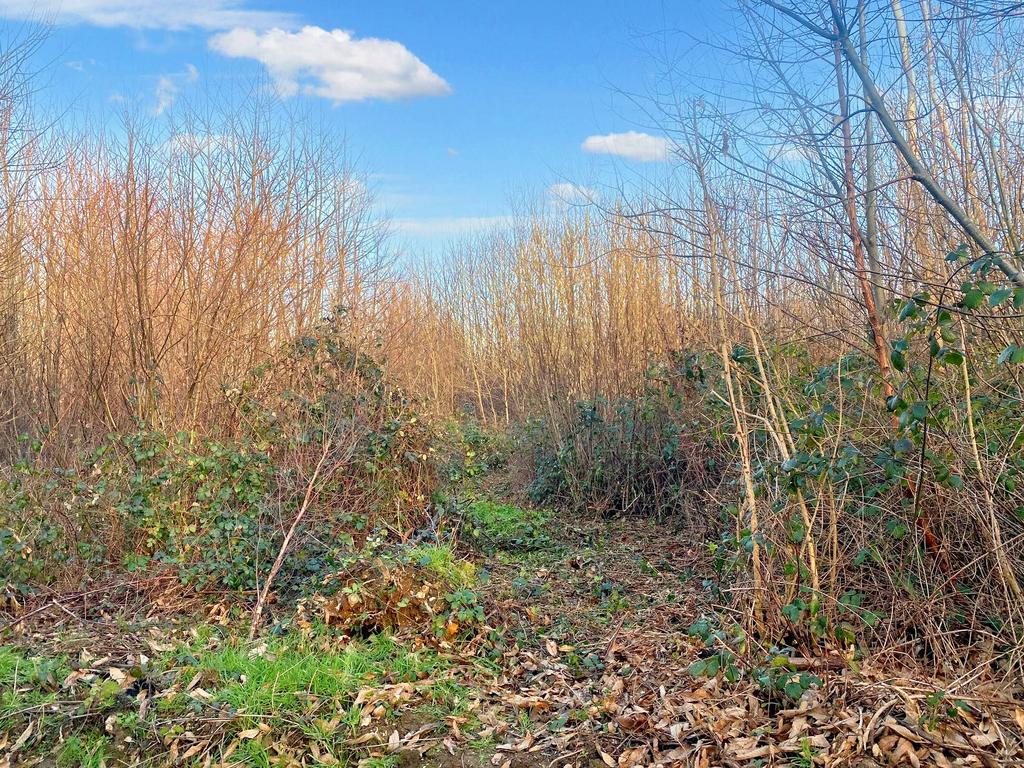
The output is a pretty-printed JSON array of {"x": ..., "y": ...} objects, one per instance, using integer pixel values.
[
  {"x": 795, "y": 153},
  {"x": 631, "y": 145},
  {"x": 567, "y": 193},
  {"x": 145, "y": 14},
  {"x": 332, "y": 64},
  {"x": 168, "y": 86}
]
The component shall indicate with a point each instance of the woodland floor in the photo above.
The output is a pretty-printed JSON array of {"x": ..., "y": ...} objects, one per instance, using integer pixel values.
[{"x": 593, "y": 669}]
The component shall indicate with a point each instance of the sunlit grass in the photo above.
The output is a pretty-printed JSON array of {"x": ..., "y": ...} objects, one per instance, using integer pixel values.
[
  {"x": 440, "y": 559},
  {"x": 289, "y": 673}
]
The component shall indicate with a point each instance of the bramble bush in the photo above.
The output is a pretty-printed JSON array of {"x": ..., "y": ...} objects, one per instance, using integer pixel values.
[
  {"x": 884, "y": 509},
  {"x": 216, "y": 509},
  {"x": 883, "y": 515},
  {"x": 646, "y": 454}
]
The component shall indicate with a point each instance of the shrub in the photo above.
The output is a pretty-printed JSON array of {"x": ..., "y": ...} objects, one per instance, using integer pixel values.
[
  {"x": 321, "y": 423},
  {"x": 471, "y": 452},
  {"x": 639, "y": 455},
  {"x": 878, "y": 516}
]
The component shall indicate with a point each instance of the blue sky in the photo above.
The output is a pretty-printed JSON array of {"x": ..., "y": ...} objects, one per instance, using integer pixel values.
[{"x": 452, "y": 107}]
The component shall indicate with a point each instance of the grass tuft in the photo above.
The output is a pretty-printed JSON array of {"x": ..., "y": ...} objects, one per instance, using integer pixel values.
[
  {"x": 441, "y": 560},
  {"x": 507, "y": 526}
]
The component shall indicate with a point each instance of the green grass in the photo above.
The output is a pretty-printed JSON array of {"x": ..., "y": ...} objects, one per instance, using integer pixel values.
[
  {"x": 26, "y": 682},
  {"x": 485, "y": 746},
  {"x": 85, "y": 751},
  {"x": 507, "y": 526},
  {"x": 296, "y": 683},
  {"x": 441, "y": 560},
  {"x": 253, "y": 753},
  {"x": 390, "y": 761},
  {"x": 280, "y": 681},
  {"x": 302, "y": 685}
]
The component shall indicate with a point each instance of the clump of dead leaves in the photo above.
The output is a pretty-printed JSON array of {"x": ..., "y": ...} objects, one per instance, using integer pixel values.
[{"x": 383, "y": 596}]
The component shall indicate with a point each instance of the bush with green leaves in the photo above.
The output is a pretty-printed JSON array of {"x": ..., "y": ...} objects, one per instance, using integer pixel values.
[
  {"x": 471, "y": 452},
  {"x": 320, "y": 429},
  {"x": 646, "y": 454},
  {"x": 884, "y": 508},
  {"x": 145, "y": 499}
]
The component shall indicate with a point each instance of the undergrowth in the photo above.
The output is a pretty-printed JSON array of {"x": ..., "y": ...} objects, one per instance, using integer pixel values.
[
  {"x": 497, "y": 525},
  {"x": 287, "y": 692},
  {"x": 215, "y": 510}
]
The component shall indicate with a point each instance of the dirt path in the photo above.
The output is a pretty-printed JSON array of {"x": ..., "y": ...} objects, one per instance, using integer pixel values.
[{"x": 609, "y": 669}]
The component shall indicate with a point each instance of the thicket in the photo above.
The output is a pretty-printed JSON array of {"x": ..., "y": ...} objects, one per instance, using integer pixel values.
[
  {"x": 804, "y": 349},
  {"x": 320, "y": 418}
]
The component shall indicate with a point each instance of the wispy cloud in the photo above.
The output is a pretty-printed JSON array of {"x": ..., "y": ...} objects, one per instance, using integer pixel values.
[
  {"x": 333, "y": 64},
  {"x": 79, "y": 65},
  {"x": 168, "y": 86},
  {"x": 146, "y": 14},
  {"x": 631, "y": 145},
  {"x": 567, "y": 193}
]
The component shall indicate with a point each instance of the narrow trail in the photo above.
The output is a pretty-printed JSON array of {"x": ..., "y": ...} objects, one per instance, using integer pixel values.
[{"x": 607, "y": 620}]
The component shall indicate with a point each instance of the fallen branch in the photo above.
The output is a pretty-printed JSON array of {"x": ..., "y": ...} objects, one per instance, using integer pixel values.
[{"x": 279, "y": 561}]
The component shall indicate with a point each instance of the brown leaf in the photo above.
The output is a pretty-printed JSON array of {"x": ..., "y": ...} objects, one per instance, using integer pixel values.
[{"x": 25, "y": 735}]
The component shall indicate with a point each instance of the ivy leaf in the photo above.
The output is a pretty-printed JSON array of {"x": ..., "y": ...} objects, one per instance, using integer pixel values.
[
  {"x": 712, "y": 666},
  {"x": 899, "y": 361},
  {"x": 903, "y": 445},
  {"x": 793, "y": 611},
  {"x": 953, "y": 357},
  {"x": 897, "y": 529},
  {"x": 908, "y": 310},
  {"x": 793, "y": 689}
]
